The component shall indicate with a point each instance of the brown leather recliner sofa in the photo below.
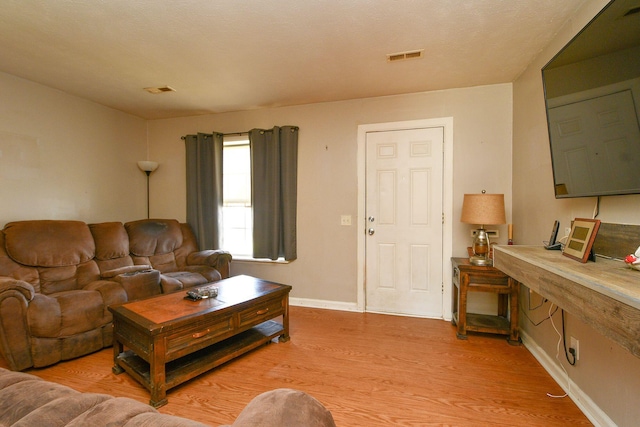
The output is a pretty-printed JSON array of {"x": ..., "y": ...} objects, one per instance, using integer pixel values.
[{"x": 57, "y": 279}]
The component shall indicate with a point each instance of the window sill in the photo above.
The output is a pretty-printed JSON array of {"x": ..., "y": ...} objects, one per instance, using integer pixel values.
[{"x": 246, "y": 259}]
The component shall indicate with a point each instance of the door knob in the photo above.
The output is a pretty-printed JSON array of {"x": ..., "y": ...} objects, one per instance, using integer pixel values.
[
  {"x": 371, "y": 219},
  {"x": 371, "y": 231}
]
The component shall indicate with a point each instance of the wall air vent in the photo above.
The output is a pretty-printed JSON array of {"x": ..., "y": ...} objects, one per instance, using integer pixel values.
[
  {"x": 162, "y": 89},
  {"x": 401, "y": 56}
]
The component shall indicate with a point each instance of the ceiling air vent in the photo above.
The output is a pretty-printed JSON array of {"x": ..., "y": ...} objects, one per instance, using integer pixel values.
[
  {"x": 159, "y": 89},
  {"x": 401, "y": 56}
]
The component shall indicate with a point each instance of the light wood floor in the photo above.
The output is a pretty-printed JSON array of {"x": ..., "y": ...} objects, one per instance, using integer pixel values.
[{"x": 367, "y": 369}]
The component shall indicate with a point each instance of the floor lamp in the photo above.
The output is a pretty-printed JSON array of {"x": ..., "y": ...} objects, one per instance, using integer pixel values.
[{"x": 147, "y": 167}]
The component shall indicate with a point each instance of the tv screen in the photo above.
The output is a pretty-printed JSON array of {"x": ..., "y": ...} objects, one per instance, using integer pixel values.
[{"x": 592, "y": 95}]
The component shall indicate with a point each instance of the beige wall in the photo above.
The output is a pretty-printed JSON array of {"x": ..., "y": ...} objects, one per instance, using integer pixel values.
[
  {"x": 606, "y": 373},
  {"x": 62, "y": 157},
  {"x": 326, "y": 268}
]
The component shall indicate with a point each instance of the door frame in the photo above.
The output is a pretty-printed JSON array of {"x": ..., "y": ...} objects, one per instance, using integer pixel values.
[{"x": 447, "y": 202}]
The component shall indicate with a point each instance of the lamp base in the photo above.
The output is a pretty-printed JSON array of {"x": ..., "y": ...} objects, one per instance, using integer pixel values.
[{"x": 479, "y": 260}]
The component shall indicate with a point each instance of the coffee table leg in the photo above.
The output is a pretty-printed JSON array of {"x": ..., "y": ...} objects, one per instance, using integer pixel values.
[
  {"x": 158, "y": 397},
  {"x": 285, "y": 322},
  {"x": 117, "y": 349},
  {"x": 158, "y": 375}
]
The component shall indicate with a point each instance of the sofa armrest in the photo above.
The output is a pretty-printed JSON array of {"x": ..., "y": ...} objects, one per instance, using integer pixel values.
[
  {"x": 15, "y": 339},
  {"x": 109, "y": 274},
  {"x": 140, "y": 284},
  {"x": 9, "y": 284},
  {"x": 284, "y": 407},
  {"x": 218, "y": 259}
]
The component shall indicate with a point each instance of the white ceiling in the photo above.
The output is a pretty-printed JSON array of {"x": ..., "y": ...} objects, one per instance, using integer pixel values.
[{"x": 229, "y": 55}]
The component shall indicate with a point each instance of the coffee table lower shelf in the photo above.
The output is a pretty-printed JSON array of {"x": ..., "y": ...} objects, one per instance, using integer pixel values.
[{"x": 187, "y": 367}]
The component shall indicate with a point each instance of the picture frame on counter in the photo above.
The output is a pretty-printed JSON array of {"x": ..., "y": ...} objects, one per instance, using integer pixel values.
[{"x": 580, "y": 240}]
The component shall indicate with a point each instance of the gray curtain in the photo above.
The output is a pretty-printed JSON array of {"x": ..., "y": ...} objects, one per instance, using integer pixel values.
[
  {"x": 204, "y": 187},
  {"x": 274, "y": 182}
]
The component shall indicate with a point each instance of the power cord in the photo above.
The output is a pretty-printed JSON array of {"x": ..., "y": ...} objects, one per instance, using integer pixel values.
[
  {"x": 560, "y": 339},
  {"x": 572, "y": 351},
  {"x": 542, "y": 302}
]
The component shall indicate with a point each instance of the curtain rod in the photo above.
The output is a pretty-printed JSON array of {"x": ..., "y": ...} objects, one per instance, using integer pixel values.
[
  {"x": 224, "y": 134},
  {"x": 293, "y": 128}
]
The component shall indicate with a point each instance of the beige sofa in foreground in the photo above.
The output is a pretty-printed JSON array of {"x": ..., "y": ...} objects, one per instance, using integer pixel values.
[{"x": 26, "y": 400}]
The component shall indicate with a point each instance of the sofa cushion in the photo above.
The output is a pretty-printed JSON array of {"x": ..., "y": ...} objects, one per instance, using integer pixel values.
[
  {"x": 111, "y": 412},
  {"x": 49, "y": 243},
  {"x": 8, "y": 378},
  {"x": 209, "y": 273},
  {"x": 178, "y": 280},
  {"x": 163, "y": 262},
  {"x": 17, "y": 400},
  {"x": 67, "y": 278},
  {"x": 47, "y": 351},
  {"x": 59, "y": 412},
  {"x": 149, "y": 237},
  {"x": 65, "y": 313},
  {"x": 111, "y": 240}
]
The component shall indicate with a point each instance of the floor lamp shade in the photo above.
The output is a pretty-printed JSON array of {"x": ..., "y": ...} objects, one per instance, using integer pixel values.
[
  {"x": 482, "y": 209},
  {"x": 147, "y": 167}
]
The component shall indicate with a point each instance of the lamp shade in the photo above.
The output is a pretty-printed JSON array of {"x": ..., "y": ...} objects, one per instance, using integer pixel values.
[
  {"x": 484, "y": 209},
  {"x": 147, "y": 166}
]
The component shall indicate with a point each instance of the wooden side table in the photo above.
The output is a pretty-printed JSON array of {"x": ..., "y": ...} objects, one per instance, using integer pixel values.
[{"x": 473, "y": 278}]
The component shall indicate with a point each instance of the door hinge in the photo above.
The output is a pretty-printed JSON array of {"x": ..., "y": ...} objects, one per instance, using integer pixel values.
[{"x": 443, "y": 217}]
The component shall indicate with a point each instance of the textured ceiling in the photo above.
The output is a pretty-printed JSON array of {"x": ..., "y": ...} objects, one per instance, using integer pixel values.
[{"x": 229, "y": 55}]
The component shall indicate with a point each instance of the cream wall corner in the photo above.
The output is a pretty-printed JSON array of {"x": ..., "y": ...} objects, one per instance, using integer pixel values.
[{"x": 62, "y": 157}]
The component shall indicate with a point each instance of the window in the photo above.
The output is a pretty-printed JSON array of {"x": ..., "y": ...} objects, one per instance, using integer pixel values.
[
  {"x": 241, "y": 195},
  {"x": 237, "y": 234}
]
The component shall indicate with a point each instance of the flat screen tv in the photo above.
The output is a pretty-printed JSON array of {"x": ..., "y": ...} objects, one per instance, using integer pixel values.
[{"x": 592, "y": 95}]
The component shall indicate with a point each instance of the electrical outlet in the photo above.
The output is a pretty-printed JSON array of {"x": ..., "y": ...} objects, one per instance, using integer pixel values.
[
  {"x": 575, "y": 345},
  {"x": 345, "y": 220},
  {"x": 567, "y": 231}
]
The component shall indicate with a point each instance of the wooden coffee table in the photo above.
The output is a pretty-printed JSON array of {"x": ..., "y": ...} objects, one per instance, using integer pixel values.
[{"x": 166, "y": 340}]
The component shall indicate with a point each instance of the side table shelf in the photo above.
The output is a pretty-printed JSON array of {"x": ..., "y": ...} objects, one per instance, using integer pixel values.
[{"x": 473, "y": 278}]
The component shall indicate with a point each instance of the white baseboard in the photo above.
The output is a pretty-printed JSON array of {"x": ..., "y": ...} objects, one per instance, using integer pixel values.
[
  {"x": 592, "y": 411},
  {"x": 330, "y": 305}
]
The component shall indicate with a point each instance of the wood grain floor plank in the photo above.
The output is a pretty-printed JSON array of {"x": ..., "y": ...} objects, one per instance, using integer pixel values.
[{"x": 368, "y": 369}]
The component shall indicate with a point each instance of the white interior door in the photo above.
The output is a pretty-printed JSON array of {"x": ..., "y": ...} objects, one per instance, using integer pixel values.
[{"x": 403, "y": 210}]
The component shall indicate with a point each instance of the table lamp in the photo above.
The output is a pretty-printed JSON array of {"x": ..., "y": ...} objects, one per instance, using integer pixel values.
[{"x": 483, "y": 209}]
